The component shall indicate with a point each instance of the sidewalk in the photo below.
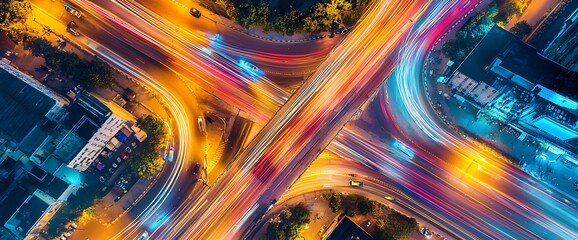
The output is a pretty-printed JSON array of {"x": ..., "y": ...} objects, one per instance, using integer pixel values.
[{"x": 108, "y": 211}]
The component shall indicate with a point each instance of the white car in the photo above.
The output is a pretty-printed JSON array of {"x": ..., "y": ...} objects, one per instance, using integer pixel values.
[
  {"x": 426, "y": 232},
  {"x": 356, "y": 183},
  {"x": 143, "y": 236}
]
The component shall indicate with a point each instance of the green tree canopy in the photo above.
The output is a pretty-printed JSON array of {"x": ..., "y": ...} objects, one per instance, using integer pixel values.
[
  {"x": 395, "y": 226},
  {"x": 290, "y": 223},
  {"x": 155, "y": 129},
  {"x": 146, "y": 164},
  {"x": 335, "y": 202},
  {"x": 14, "y": 11},
  {"x": 521, "y": 29},
  {"x": 39, "y": 47},
  {"x": 95, "y": 73}
]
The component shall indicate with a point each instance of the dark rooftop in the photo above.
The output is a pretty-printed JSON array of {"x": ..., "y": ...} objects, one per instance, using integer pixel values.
[
  {"x": 22, "y": 106},
  {"x": 86, "y": 105},
  {"x": 524, "y": 60},
  {"x": 347, "y": 229},
  {"x": 51, "y": 185},
  {"x": 69, "y": 147},
  {"x": 32, "y": 140},
  {"x": 12, "y": 203},
  {"x": 474, "y": 66},
  {"x": 30, "y": 212}
]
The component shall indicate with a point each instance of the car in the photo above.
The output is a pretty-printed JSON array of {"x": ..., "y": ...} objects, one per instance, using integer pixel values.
[
  {"x": 102, "y": 179},
  {"x": 67, "y": 234},
  {"x": 426, "y": 232},
  {"x": 143, "y": 236},
  {"x": 123, "y": 156},
  {"x": 128, "y": 150},
  {"x": 72, "y": 11},
  {"x": 114, "y": 165},
  {"x": 73, "y": 226},
  {"x": 249, "y": 67},
  {"x": 117, "y": 198},
  {"x": 99, "y": 166},
  {"x": 196, "y": 168},
  {"x": 118, "y": 160},
  {"x": 356, "y": 183},
  {"x": 133, "y": 144},
  {"x": 72, "y": 24},
  {"x": 111, "y": 170},
  {"x": 201, "y": 124},
  {"x": 73, "y": 31},
  {"x": 195, "y": 12}
]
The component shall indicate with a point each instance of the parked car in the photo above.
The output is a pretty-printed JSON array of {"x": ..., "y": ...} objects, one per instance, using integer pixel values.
[
  {"x": 114, "y": 165},
  {"x": 128, "y": 150},
  {"x": 102, "y": 179},
  {"x": 133, "y": 144},
  {"x": 195, "y": 12},
  {"x": 111, "y": 170},
  {"x": 118, "y": 160},
  {"x": 73, "y": 226},
  {"x": 123, "y": 156}
]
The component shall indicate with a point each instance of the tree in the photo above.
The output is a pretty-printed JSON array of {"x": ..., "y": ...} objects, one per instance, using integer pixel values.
[
  {"x": 395, "y": 226},
  {"x": 39, "y": 46},
  {"x": 506, "y": 12},
  {"x": 335, "y": 10},
  {"x": 335, "y": 202},
  {"x": 377, "y": 209},
  {"x": 146, "y": 164},
  {"x": 364, "y": 206},
  {"x": 19, "y": 32},
  {"x": 289, "y": 224},
  {"x": 155, "y": 129},
  {"x": 14, "y": 11},
  {"x": 95, "y": 73},
  {"x": 521, "y": 29}
]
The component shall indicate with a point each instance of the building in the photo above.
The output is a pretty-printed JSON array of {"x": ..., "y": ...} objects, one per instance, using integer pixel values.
[
  {"x": 30, "y": 200},
  {"x": 346, "y": 229},
  {"x": 93, "y": 125},
  {"x": 564, "y": 47},
  {"x": 46, "y": 141},
  {"x": 508, "y": 79}
]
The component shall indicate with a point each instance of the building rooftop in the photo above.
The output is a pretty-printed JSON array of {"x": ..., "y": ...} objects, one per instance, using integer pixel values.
[
  {"x": 474, "y": 66},
  {"x": 69, "y": 146},
  {"x": 29, "y": 213},
  {"x": 525, "y": 61},
  {"x": 347, "y": 229},
  {"x": 89, "y": 106},
  {"x": 23, "y": 106}
]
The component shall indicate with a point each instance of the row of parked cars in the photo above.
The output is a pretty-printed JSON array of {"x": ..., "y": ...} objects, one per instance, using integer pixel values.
[
  {"x": 100, "y": 166},
  {"x": 71, "y": 228}
]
